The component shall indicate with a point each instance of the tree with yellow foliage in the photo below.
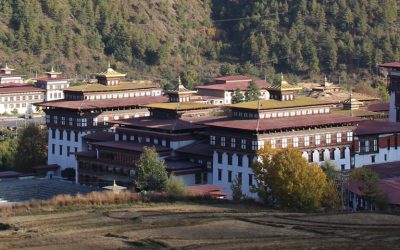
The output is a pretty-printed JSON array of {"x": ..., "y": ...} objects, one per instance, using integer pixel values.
[{"x": 286, "y": 179}]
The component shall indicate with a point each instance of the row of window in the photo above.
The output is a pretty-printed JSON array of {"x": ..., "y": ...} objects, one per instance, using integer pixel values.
[
  {"x": 60, "y": 150},
  {"x": 230, "y": 159},
  {"x": 242, "y": 142},
  {"x": 56, "y": 95},
  {"x": 180, "y": 99},
  {"x": 21, "y": 98},
  {"x": 104, "y": 169},
  {"x": 141, "y": 139},
  {"x": 282, "y": 114},
  {"x": 56, "y": 86},
  {"x": 310, "y": 154},
  {"x": 295, "y": 142},
  {"x": 367, "y": 145},
  {"x": 15, "y": 105},
  {"x": 331, "y": 155},
  {"x": 122, "y": 95},
  {"x": 61, "y": 135},
  {"x": 118, "y": 157},
  {"x": 83, "y": 122},
  {"x": 239, "y": 177}
]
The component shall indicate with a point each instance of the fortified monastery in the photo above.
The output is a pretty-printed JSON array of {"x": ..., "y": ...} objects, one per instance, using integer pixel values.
[{"x": 99, "y": 129}]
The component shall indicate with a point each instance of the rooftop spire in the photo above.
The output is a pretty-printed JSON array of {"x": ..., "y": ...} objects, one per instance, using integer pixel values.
[
  {"x": 179, "y": 81},
  {"x": 6, "y": 69},
  {"x": 52, "y": 73}
]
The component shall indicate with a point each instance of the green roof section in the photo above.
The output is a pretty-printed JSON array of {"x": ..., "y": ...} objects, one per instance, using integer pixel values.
[
  {"x": 275, "y": 104},
  {"x": 356, "y": 112},
  {"x": 181, "y": 106},
  {"x": 96, "y": 87}
]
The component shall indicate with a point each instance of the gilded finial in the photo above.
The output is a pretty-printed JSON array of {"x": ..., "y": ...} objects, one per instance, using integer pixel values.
[
  {"x": 179, "y": 80},
  {"x": 115, "y": 184},
  {"x": 109, "y": 64},
  {"x": 52, "y": 69},
  {"x": 281, "y": 77}
]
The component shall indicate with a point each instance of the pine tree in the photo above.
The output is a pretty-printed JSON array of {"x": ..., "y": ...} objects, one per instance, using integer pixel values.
[
  {"x": 253, "y": 92},
  {"x": 237, "y": 96}
]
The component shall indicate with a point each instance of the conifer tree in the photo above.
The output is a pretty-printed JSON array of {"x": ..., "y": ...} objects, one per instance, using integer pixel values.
[
  {"x": 237, "y": 96},
  {"x": 253, "y": 92}
]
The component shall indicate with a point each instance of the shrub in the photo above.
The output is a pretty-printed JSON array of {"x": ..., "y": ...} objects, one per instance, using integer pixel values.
[
  {"x": 236, "y": 187},
  {"x": 176, "y": 186}
]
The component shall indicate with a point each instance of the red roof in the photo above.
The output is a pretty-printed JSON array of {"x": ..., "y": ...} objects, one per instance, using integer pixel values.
[
  {"x": 212, "y": 190},
  {"x": 390, "y": 187},
  {"x": 197, "y": 148},
  {"x": 11, "y": 84},
  {"x": 131, "y": 146},
  {"x": 22, "y": 88},
  {"x": 284, "y": 123},
  {"x": 232, "y": 86},
  {"x": 232, "y": 78},
  {"x": 377, "y": 127},
  {"x": 100, "y": 136},
  {"x": 390, "y": 65},
  {"x": 378, "y": 107},
  {"x": 158, "y": 124},
  {"x": 387, "y": 169},
  {"x": 108, "y": 103}
]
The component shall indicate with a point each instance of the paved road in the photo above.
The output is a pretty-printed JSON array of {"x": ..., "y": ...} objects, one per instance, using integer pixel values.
[{"x": 20, "y": 122}]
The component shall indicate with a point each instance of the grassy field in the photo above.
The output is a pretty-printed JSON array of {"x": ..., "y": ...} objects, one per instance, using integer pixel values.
[{"x": 197, "y": 226}]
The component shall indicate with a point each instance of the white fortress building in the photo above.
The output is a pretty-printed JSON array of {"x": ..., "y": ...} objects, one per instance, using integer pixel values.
[{"x": 54, "y": 84}]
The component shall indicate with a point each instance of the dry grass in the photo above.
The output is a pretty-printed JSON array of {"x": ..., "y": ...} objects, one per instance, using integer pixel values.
[{"x": 103, "y": 198}]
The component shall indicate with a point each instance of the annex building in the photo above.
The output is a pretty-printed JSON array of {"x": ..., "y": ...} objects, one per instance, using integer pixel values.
[{"x": 15, "y": 96}]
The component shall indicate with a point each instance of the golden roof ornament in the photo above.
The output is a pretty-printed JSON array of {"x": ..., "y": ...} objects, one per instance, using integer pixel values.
[
  {"x": 6, "y": 68},
  {"x": 283, "y": 85},
  {"x": 110, "y": 72},
  {"x": 52, "y": 72}
]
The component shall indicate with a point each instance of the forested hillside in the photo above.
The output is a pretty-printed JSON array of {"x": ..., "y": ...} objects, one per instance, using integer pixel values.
[
  {"x": 310, "y": 37},
  {"x": 161, "y": 38}
]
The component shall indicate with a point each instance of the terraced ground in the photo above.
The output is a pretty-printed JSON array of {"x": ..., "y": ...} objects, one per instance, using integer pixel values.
[{"x": 194, "y": 226}]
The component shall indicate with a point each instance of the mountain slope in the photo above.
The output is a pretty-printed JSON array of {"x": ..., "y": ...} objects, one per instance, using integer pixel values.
[{"x": 200, "y": 38}]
